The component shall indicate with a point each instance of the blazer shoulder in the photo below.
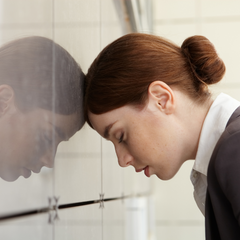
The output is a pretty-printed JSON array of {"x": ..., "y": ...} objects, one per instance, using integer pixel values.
[{"x": 226, "y": 155}]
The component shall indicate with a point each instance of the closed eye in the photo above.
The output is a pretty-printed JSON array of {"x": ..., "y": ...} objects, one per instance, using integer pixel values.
[{"x": 121, "y": 138}]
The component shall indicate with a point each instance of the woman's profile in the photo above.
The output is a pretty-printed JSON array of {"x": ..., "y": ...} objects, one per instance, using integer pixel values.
[
  {"x": 41, "y": 91},
  {"x": 150, "y": 97}
]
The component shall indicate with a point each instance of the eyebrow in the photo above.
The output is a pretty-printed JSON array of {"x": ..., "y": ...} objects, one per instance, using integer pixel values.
[{"x": 107, "y": 129}]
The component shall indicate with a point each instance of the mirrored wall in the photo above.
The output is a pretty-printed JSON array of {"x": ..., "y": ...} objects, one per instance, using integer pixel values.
[{"x": 58, "y": 178}]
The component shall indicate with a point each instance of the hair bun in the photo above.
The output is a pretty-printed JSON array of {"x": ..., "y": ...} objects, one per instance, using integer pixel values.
[{"x": 204, "y": 61}]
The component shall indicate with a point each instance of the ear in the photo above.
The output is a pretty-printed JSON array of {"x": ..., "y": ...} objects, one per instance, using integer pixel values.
[
  {"x": 6, "y": 99},
  {"x": 160, "y": 95}
]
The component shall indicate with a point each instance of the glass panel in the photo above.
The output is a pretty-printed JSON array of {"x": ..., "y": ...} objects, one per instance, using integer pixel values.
[
  {"x": 113, "y": 220},
  {"x": 31, "y": 227},
  {"x": 41, "y": 104},
  {"x": 26, "y": 105},
  {"x": 83, "y": 222},
  {"x": 112, "y": 173},
  {"x": 78, "y": 163}
]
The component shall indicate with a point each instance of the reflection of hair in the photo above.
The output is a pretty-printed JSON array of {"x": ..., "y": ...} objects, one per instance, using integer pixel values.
[
  {"x": 123, "y": 71},
  {"x": 42, "y": 74}
]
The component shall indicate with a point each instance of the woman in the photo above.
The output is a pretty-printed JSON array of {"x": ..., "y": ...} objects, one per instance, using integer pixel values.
[
  {"x": 151, "y": 99},
  {"x": 40, "y": 104}
]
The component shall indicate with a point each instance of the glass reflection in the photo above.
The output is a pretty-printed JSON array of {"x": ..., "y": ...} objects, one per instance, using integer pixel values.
[{"x": 41, "y": 90}]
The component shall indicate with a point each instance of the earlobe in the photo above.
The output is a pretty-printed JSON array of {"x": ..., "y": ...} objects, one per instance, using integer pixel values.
[
  {"x": 162, "y": 96},
  {"x": 6, "y": 99}
]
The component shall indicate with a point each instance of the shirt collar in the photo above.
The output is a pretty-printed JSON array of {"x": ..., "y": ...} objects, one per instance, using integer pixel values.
[{"x": 213, "y": 127}]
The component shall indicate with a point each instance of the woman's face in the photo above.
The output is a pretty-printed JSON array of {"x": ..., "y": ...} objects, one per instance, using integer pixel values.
[
  {"x": 29, "y": 140},
  {"x": 148, "y": 139}
]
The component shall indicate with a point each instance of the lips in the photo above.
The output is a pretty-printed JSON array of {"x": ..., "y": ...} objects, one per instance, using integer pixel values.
[
  {"x": 146, "y": 171},
  {"x": 26, "y": 172},
  {"x": 37, "y": 170},
  {"x": 139, "y": 170}
]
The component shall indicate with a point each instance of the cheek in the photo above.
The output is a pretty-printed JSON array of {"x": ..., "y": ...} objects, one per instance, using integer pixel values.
[
  {"x": 34, "y": 148},
  {"x": 46, "y": 147},
  {"x": 139, "y": 147}
]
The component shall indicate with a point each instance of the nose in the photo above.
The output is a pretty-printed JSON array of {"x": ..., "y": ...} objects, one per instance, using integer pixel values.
[
  {"x": 48, "y": 161},
  {"x": 125, "y": 159}
]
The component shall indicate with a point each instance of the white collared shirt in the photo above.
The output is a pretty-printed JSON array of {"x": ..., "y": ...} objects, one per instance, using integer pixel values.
[{"x": 213, "y": 127}]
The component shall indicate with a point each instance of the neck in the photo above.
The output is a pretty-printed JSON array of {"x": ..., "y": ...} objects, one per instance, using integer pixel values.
[
  {"x": 200, "y": 113},
  {"x": 192, "y": 116}
]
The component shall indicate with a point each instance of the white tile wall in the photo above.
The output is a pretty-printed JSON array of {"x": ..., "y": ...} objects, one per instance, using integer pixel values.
[
  {"x": 173, "y": 9},
  {"x": 113, "y": 220},
  {"x": 25, "y": 18},
  {"x": 79, "y": 223},
  {"x": 221, "y": 8},
  {"x": 30, "y": 227},
  {"x": 24, "y": 195}
]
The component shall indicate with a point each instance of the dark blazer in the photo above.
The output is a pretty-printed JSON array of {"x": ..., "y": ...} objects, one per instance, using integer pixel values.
[{"x": 222, "y": 210}]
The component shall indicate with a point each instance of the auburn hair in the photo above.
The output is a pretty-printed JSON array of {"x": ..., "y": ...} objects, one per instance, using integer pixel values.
[{"x": 124, "y": 69}]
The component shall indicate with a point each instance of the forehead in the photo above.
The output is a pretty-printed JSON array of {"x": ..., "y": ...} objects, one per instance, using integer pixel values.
[
  {"x": 67, "y": 125},
  {"x": 100, "y": 121},
  {"x": 70, "y": 124}
]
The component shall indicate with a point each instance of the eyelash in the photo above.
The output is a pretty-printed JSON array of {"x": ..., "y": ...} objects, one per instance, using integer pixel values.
[{"x": 121, "y": 138}]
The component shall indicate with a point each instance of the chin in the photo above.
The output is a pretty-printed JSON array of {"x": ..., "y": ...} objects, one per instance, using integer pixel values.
[
  {"x": 9, "y": 177},
  {"x": 165, "y": 177}
]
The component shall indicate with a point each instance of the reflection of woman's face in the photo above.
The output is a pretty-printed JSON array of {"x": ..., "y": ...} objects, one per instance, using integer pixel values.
[{"x": 29, "y": 141}]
